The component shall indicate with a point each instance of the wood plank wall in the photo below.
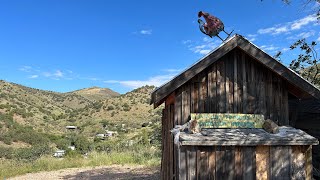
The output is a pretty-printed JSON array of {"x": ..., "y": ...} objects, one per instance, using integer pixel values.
[
  {"x": 245, "y": 162},
  {"x": 236, "y": 83}
]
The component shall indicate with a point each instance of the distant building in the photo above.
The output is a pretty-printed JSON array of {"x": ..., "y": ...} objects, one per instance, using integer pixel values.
[
  {"x": 111, "y": 133},
  {"x": 59, "y": 153},
  {"x": 101, "y": 136},
  {"x": 71, "y": 127},
  {"x": 72, "y": 148}
]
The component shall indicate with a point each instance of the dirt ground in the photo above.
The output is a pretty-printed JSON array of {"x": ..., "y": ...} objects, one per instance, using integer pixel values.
[{"x": 97, "y": 173}]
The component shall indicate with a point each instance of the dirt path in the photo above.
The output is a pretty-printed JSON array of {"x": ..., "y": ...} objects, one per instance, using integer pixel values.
[{"x": 97, "y": 173}]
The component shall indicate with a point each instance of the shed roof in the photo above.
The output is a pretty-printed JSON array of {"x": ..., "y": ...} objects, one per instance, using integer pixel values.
[{"x": 236, "y": 41}]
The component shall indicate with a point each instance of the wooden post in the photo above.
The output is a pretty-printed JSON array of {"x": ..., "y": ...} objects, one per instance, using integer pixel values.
[
  {"x": 262, "y": 163},
  {"x": 308, "y": 162}
]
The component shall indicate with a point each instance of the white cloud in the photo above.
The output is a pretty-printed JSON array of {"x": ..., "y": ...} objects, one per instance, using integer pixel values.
[
  {"x": 269, "y": 47},
  {"x": 59, "y": 74},
  {"x": 297, "y": 24},
  {"x": 26, "y": 68},
  {"x": 288, "y": 27},
  {"x": 206, "y": 39},
  {"x": 46, "y": 74},
  {"x": 172, "y": 70},
  {"x": 318, "y": 39},
  {"x": 33, "y": 76},
  {"x": 69, "y": 71},
  {"x": 56, "y": 75},
  {"x": 111, "y": 81},
  {"x": 274, "y": 30},
  {"x": 285, "y": 49},
  {"x": 156, "y": 81},
  {"x": 252, "y": 37},
  {"x": 146, "y": 31},
  {"x": 92, "y": 78},
  {"x": 205, "y": 51},
  {"x": 186, "y": 41},
  {"x": 206, "y": 45},
  {"x": 306, "y": 34}
]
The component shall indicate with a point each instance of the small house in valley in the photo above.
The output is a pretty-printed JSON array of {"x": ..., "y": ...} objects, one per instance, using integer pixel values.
[
  {"x": 59, "y": 153},
  {"x": 71, "y": 127},
  {"x": 238, "y": 81}
]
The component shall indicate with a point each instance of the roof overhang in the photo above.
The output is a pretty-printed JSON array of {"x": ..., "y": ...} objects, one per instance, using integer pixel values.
[{"x": 158, "y": 96}]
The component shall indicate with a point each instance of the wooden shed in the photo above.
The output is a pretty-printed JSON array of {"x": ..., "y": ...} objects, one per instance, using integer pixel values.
[{"x": 236, "y": 77}]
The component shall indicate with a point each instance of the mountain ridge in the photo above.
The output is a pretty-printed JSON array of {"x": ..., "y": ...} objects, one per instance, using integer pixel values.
[
  {"x": 95, "y": 93},
  {"x": 49, "y": 111}
]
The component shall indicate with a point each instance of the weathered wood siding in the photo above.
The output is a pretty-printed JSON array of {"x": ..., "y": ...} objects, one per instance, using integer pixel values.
[
  {"x": 245, "y": 162},
  {"x": 236, "y": 83}
]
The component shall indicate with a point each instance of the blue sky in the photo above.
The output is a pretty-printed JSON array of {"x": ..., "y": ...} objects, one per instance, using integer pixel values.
[{"x": 64, "y": 45}]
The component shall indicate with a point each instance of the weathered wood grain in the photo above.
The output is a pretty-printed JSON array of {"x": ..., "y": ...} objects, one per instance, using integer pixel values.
[
  {"x": 247, "y": 137},
  {"x": 298, "y": 170},
  {"x": 236, "y": 100},
  {"x": 203, "y": 169},
  {"x": 186, "y": 95},
  {"x": 220, "y": 162},
  {"x": 262, "y": 162},
  {"x": 238, "y": 163},
  {"x": 230, "y": 162},
  {"x": 178, "y": 109},
  {"x": 244, "y": 84},
  {"x": 248, "y": 162},
  {"x": 308, "y": 156},
  {"x": 192, "y": 163},
  {"x": 212, "y": 162},
  {"x": 183, "y": 163},
  {"x": 280, "y": 162},
  {"x": 160, "y": 94},
  {"x": 238, "y": 83}
]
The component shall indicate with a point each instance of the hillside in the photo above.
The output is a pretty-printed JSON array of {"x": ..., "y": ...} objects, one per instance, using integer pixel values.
[
  {"x": 50, "y": 112},
  {"x": 33, "y": 125},
  {"x": 96, "y": 93}
]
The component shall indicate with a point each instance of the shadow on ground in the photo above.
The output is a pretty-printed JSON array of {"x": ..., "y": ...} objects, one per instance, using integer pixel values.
[{"x": 116, "y": 174}]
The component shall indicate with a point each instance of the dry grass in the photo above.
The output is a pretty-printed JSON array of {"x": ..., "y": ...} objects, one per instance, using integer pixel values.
[{"x": 11, "y": 168}]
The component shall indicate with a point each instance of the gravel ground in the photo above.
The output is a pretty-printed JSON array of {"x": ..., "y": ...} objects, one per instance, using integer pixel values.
[{"x": 97, "y": 173}]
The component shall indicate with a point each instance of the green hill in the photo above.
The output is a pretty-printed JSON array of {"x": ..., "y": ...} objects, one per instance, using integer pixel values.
[
  {"x": 50, "y": 112},
  {"x": 96, "y": 93}
]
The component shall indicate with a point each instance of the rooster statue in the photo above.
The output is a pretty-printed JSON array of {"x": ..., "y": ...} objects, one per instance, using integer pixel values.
[{"x": 213, "y": 25}]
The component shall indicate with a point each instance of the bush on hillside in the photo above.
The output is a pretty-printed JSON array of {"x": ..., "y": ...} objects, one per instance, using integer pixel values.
[
  {"x": 33, "y": 153},
  {"x": 82, "y": 144},
  {"x": 62, "y": 143}
]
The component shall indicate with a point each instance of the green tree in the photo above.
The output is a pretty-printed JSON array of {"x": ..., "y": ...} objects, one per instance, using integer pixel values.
[
  {"x": 82, "y": 144},
  {"x": 307, "y": 63}
]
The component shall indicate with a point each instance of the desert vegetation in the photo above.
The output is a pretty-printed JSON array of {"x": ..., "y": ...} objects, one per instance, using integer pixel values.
[{"x": 33, "y": 125}]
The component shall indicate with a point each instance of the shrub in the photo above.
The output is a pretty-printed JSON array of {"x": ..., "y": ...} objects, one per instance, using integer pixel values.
[
  {"x": 104, "y": 123},
  {"x": 62, "y": 143},
  {"x": 7, "y": 139},
  {"x": 6, "y": 153},
  {"x": 72, "y": 154},
  {"x": 82, "y": 144},
  {"x": 110, "y": 108}
]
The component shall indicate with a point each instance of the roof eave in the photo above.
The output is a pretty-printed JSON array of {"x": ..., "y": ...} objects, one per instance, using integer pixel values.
[
  {"x": 163, "y": 91},
  {"x": 159, "y": 94}
]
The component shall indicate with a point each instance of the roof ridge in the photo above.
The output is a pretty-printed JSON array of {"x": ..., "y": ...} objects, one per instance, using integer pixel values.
[{"x": 225, "y": 47}]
